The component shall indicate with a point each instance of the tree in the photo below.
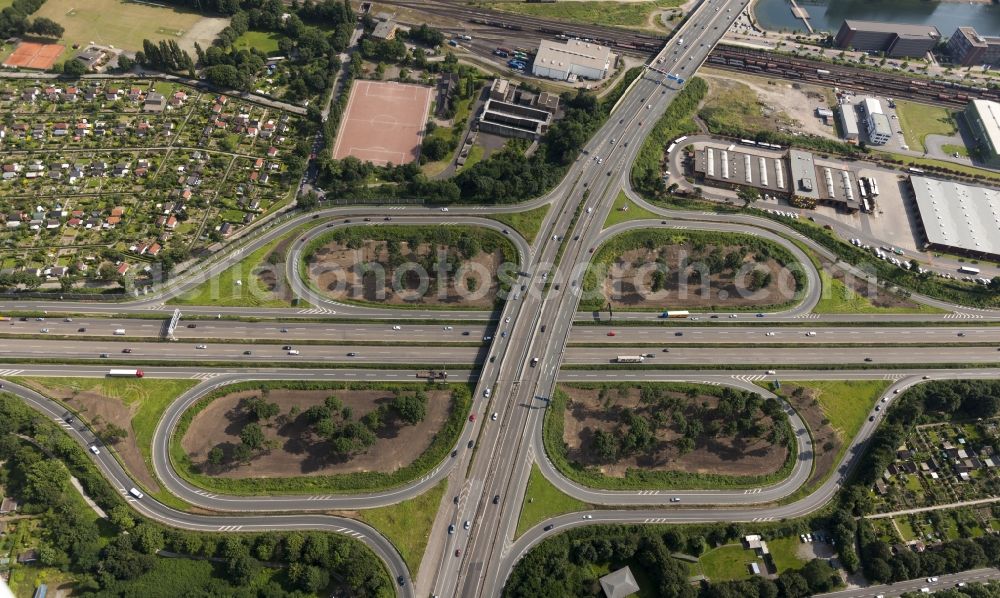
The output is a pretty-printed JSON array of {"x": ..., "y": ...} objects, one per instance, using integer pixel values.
[
  {"x": 241, "y": 453},
  {"x": 410, "y": 408},
  {"x": 112, "y": 433},
  {"x": 45, "y": 481},
  {"x": 216, "y": 455},
  {"x": 121, "y": 517},
  {"x": 748, "y": 195},
  {"x": 74, "y": 68},
  {"x": 46, "y": 27},
  {"x": 148, "y": 537},
  {"x": 605, "y": 446},
  {"x": 252, "y": 436}
]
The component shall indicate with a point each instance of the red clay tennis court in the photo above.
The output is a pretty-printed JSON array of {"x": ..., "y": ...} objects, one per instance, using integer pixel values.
[
  {"x": 384, "y": 122},
  {"x": 31, "y": 55}
]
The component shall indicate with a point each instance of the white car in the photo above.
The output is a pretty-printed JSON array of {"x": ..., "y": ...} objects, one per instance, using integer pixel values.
[
  {"x": 467, "y": 525},
  {"x": 94, "y": 449},
  {"x": 201, "y": 347},
  {"x": 768, "y": 334},
  {"x": 487, "y": 392},
  {"x": 931, "y": 579},
  {"x": 507, "y": 319},
  {"x": 449, "y": 327},
  {"x": 494, "y": 416},
  {"x": 588, "y": 516},
  {"x": 397, "y": 327},
  {"x": 444, "y": 209},
  {"x": 771, "y": 372},
  {"x": 134, "y": 492}
]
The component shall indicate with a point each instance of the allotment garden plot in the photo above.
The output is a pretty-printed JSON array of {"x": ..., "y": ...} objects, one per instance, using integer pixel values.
[{"x": 135, "y": 167}]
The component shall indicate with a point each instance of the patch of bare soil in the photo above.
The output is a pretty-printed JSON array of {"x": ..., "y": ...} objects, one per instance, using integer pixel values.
[
  {"x": 587, "y": 412},
  {"x": 688, "y": 281},
  {"x": 270, "y": 275},
  {"x": 299, "y": 452},
  {"x": 97, "y": 408},
  {"x": 826, "y": 441},
  {"x": 425, "y": 276}
]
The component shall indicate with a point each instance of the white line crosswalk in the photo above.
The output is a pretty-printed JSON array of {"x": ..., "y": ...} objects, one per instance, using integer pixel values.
[
  {"x": 10, "y": 372},
  {"x": 204, "y": 375},
  {"x": 317, "y": 311},
  {"x": 230, "y": 528},
  {"x": 807, "y": 317},
  {"x": 750, "y": 377},
  {"x": 962, "y": 315}
]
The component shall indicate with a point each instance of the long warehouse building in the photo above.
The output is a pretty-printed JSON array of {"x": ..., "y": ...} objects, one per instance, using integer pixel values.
[
  {"x": 571, "y": 60},
  {"x": 958, "y": 218},
  {"x": 983, "y": 117}
]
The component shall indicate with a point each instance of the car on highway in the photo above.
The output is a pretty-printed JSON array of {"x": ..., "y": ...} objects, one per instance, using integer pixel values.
[
  {"x": 458, "y": 552},
  {"x": 611, "y": 333},
  {"x": 494, "y": 416},
  {"x": 675, "y": 499},
  {"x": 487, "y": 392},
  {"x": 449, "y": 328},
  {"x": 507, "y": 319},
  {"x": 352, "y": 354},
  {"x": 284, "y": 330},
  {"x": 768, "y": 334},
  {"x": 961, "y": 334},
  {"x": 201, "y": 346},
  {"x": 94, "y": 449},
  {"x": 293, "y": 352},
  {"x": 932, "y": 580},
  {"x": 487, "y": 338},
  {"x": 871, "y": 418},
  {"x": 81, "y": 329},
  {"x": 104, "y": 356},
  {"x": 444, "y": 209},
  {"x": 248, "y": 352},
  {"x": 127, "y": 350},
  {"x": 401, "y": 581},
  {"x": 472, "y": 417},
  {"x": 771, "y": 372},
  {"x": 868, "y": 359},
  {"x": 471, "y": 444},
  {"x": 451, "y": 528},
  {"x": 548, "y": 527},
  {"x": 44, "y": 330},
  {"x": 496, "y": 499},
  {"x": 397, "y": 327},
  {"x": 467, "y": 524},
  {"x": 192, "y": 325},
  {"x": 134, "y": 492},
  {"x": 588, "y": 516},
  {"x": 534, "y": 361},
  {"x": 678, "y": 334}
]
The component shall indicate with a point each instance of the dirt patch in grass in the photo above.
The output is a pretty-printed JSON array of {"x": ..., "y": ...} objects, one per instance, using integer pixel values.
[
  {"x": 275, "y": 265},
  {"x": 826, "y": 440},
  {"x": 370, "y": 273},
  {"x": 627, "y": 286},
  {"x": 297, "y": 451},
  {"x": 97, "y": 408},
  {"x": 587, "y": 412}
]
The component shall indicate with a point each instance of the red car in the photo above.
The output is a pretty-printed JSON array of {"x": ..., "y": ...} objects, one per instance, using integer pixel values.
[
  {"x": 611, "y": 333},
  {"x": 472, "y": 417}
]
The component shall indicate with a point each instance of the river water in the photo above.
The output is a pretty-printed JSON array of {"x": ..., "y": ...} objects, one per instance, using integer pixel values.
[{"x": 829, "y": 14}]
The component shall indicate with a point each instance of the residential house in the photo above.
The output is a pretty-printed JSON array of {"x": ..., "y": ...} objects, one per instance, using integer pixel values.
[
  {"x": 123, "y": 268},
  {"x": 8, "y": 505},
  {"x": 155, "y": 102}
]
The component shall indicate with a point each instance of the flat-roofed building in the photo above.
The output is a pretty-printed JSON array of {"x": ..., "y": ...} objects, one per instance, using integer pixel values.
[
  {"x": 803, "y": 176},
  {"x": 968, "y": 48},
  {"x": 958, "y": 218},
  {"x": 895, "y": 39},
  {"x": 983, "y": 117},
  {"x": 849, "y": 122},
  {"x": 879, "y": 129},
  {"x": 574, "y": 58},
  {"x": 513, "y": 120}
]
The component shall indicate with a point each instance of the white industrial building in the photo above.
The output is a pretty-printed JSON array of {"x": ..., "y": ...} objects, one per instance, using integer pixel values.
[
  {"x": 572, "y": 59},
  {"x": 959, "y": 218},
  {"x": 849, "y": 122},
  {"x": 877, "y": 124}
]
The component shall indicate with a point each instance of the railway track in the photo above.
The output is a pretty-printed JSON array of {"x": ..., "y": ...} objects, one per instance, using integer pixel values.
[
  {"x": 846, "y": 77},
  {"x": 615, "y": 37}
]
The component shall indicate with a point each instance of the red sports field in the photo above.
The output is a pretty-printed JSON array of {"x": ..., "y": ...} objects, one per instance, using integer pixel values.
[
  {"x": 31, "y": 55},
  {"x": 384, "y": 122}
]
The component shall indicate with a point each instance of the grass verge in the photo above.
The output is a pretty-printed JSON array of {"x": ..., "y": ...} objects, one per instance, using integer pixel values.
[
  {"x": 408, "y": 524},
  {"x": 920, "y": 120},
  {"x": 526, "y": 223},
  {"x": 542, "y": 500},
  {"x": 619, "y": 14},
  {"x": 625, "y": 209},
  {"x": 727, "y": 563},
  {"x": 836, "y": 298},
  {"x": 369, "y": 481}
]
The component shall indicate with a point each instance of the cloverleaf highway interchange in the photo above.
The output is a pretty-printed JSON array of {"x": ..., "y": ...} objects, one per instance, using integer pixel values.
[{"x": 471, "y": 486}]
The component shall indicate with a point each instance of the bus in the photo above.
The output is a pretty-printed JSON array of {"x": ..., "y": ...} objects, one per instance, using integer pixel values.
[
  {"x": 126, "y": 373},
  {"x": 680, "y": 313},
  {"x": 968, "y": 270},
  {"x": 630, "y": 359}
]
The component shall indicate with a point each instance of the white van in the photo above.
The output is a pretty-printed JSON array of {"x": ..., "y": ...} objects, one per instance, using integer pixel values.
[
  {"x": 135, "y": 492},
  {"x": 487, "y": 392},
  {"x": 293, "y": 352},
  {"x": 119, "y": 332}
]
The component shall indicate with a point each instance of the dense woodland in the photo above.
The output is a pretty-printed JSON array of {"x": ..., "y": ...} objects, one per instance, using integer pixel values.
[
  {"x": 118, "y": 557},
  {"x": 563, "y": 565}
]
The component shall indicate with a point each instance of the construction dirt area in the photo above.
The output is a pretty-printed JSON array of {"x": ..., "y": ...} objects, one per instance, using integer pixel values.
[
  {"x": 99, "y": 409},
  {"x": 589, "y": 410},
  {"x": 759, "y": 103},
  {"x": 297, "y": 451},
  {"x": 370, "y": 273},
  {"x": 630, "y": 286}
]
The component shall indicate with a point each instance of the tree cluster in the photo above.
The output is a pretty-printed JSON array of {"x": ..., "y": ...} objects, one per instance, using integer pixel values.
[
  {"x": 334, "y": 423},
  {"x": 14, "y": 18},
  {"x": 126, "y": 564},
  {"x": 165, "y": 56}
]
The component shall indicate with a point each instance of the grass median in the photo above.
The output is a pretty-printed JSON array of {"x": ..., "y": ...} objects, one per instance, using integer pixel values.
[
  {"x": 542, "y": 501},
  {"x": 408, "y": 524},
  {"x": 526, "y": 223}
]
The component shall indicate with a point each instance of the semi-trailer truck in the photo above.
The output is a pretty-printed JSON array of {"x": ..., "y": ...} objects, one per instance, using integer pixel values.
[{"x": 123, "y": 373}]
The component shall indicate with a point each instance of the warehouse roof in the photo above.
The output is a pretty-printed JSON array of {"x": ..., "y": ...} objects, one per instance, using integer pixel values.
[
  {"x": 803, "y": 174},
  {"x": 587, "y": 54},
  {"x": 956, "y": 215},
  {"x": 872, "y": 106},
  {"x": 901, "y": 29},
  {"x": 881, "y": 124},
  {"x": 849, "y": 119},
  {"x": 989, "y": 113}
]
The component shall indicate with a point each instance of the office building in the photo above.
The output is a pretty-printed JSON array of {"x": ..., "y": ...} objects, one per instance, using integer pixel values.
[
  {"x": 897, "y": 40},
  {"x": 967, "y": 48},
  {"x": 849, "y": 122},
  {"x": 879, "y": 129}
]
